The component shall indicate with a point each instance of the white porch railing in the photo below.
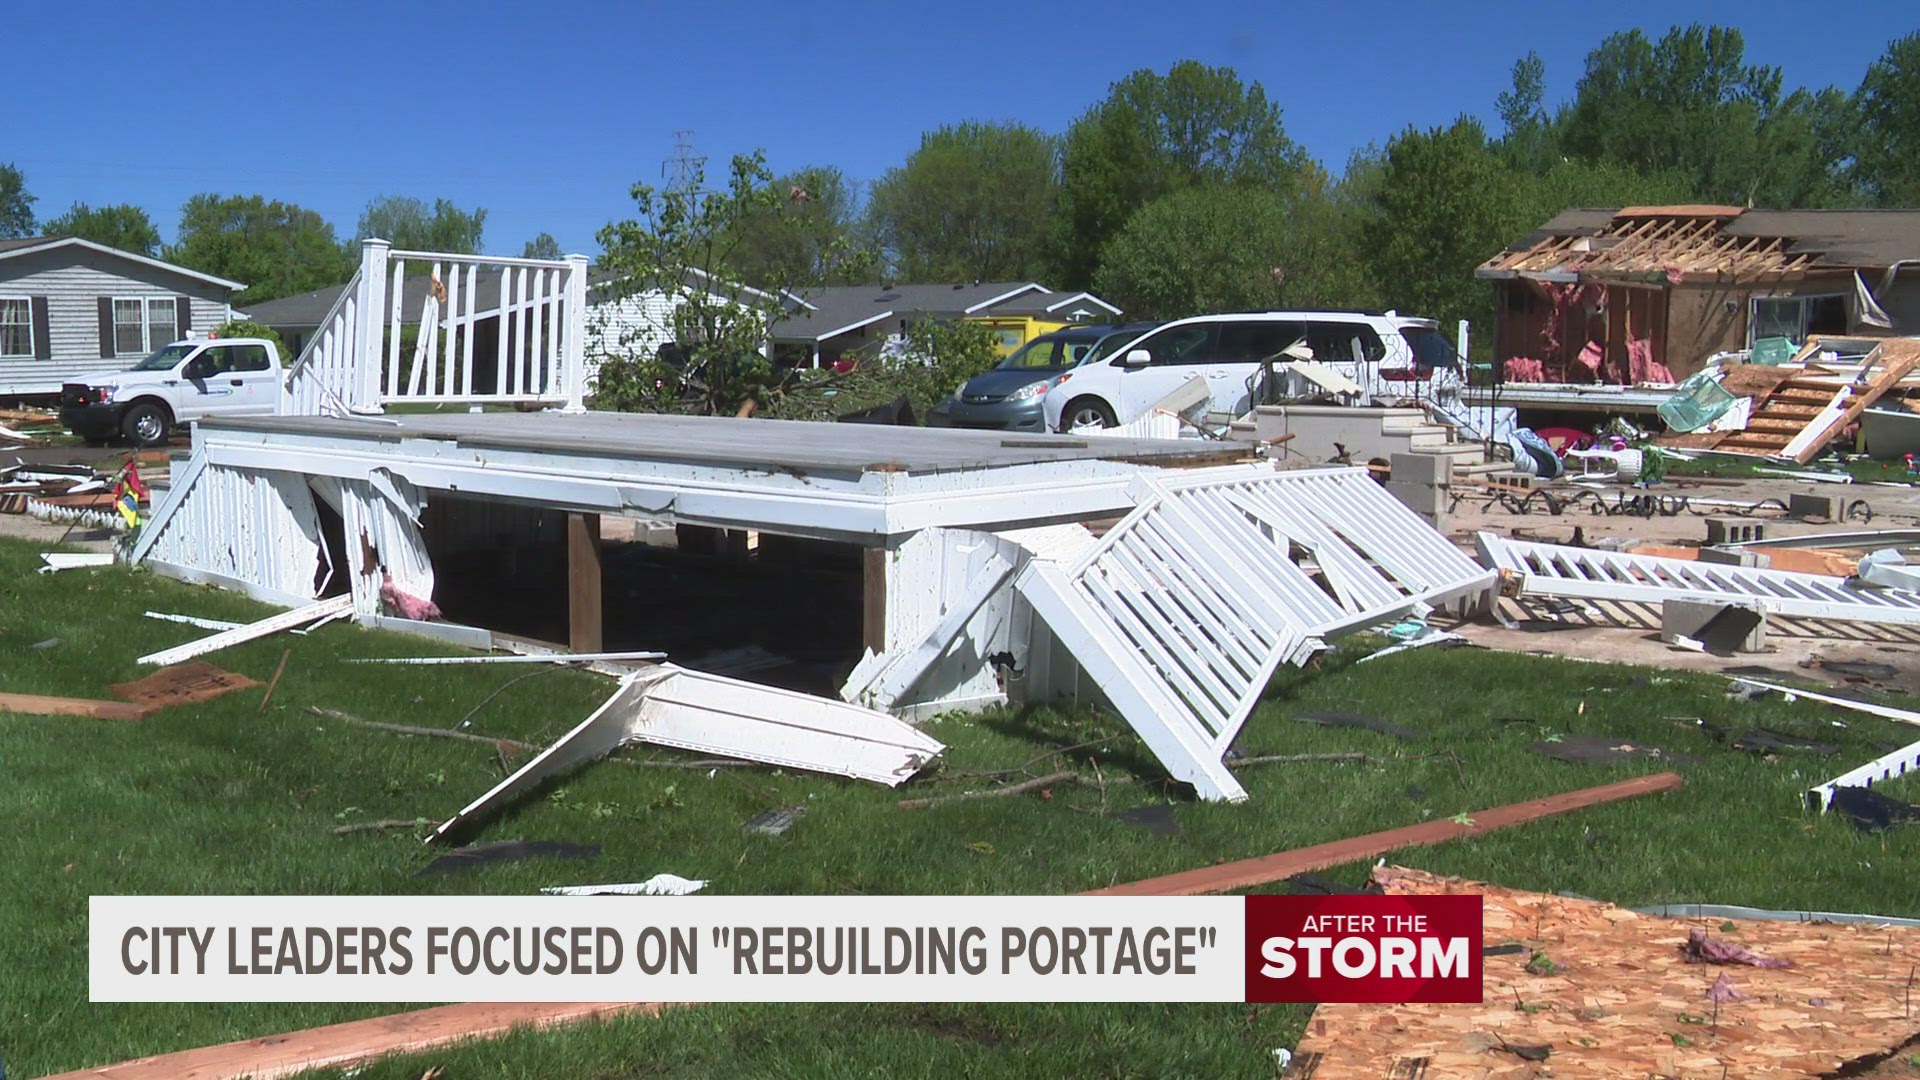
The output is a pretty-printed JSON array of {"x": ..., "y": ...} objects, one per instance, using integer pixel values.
[{"x": 485, "y": 330}]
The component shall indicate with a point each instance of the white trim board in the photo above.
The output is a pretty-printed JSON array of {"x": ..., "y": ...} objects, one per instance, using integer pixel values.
[
  {"x": 272, "y": 624},
  {"x": 1586, "y": 574},
  {"x": 712, "y": 714}
]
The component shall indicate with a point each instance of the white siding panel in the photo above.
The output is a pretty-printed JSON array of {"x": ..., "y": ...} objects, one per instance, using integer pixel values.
[
  {"x": 73, "y": 281},
  {"x": 632, "y": 326},
  {"x": 245, "y": 524}
]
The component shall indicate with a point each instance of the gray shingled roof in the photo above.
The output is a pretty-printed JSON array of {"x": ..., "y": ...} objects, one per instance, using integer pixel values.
[{"x": 840, "y": 307}]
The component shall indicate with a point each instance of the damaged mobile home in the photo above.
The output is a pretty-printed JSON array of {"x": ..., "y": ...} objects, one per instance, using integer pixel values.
[{"x": 945, "y": 569}]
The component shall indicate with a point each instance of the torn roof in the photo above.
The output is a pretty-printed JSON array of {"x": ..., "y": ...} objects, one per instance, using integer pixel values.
[{"x": 1664, "y": 244}]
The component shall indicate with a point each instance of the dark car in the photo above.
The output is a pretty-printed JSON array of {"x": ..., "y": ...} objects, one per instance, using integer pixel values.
[{"x": 1011, "y": 395}]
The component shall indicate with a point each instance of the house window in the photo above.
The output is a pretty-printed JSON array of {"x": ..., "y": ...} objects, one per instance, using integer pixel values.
[
  {"x": 16, "y": 326},
  {"x": 145, "y": 324},
  {"x": 1797, "y": 317}
]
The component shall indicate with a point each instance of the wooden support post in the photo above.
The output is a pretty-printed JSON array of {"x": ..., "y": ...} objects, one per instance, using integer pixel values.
[
  {"x": 873, "y": 602},
  {"x": 583, "y": 583}
]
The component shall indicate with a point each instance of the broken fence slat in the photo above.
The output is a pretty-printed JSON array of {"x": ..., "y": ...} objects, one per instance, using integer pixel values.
[
  {"x": 1885, "y": 711},
  {"x": 39, "y": 705},
  {"x": 272, "y": 624},
  {"x": 539, "y": 658},
  {"x": 193, "y": 620},
  {"x": 1282, "y": 865}
]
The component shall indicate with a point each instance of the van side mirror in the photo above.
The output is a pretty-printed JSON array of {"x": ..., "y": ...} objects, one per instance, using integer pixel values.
[{"x": 1137, "y": 358}]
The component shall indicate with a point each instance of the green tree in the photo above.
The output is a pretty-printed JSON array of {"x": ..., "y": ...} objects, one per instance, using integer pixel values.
[
  {"x": 275, "y": 248},
  {"x": 1528, "y": 138},
  {"x": 810, "y": 238},
  {"x": 1690, "y": 104},
  {"x": 408, "y": 224},
  {"x": 971, "y": 204},
  {"x": 16, "y": 206},
  {"x": 1888, "y": 141},
  {"x": 122, "y": 226},
  {"x": 1224, "y": 248},
  {"x": 543, "y": 246},
  {"x": 682, "y": 244},
  {"x": 1154, "y": 134}
]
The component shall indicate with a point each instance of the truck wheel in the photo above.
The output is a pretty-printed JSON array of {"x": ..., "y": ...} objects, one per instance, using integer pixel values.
[
  {"x": 1086, "y": 412},
  {"x": 146, "y": 424}
]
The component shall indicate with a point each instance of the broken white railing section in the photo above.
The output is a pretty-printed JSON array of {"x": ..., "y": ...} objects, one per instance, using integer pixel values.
[
  {"x": 324, "y": 610},
  {"x": 657, "y": 885},
  {"x": 532, "y": 658},
  {"x": 1182, "y": 612},
  {"x": 881, "y": 680},
  {"x": 1885, "y": 767},
  {"x": 1586, "y": 574},
  {"x": 712, "y": 714}
]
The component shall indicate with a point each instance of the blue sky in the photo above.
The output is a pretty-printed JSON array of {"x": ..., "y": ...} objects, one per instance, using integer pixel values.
[{"x": 545, "y": 114}]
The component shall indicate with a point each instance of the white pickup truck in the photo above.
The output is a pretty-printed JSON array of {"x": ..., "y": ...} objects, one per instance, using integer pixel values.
[{"x": 179, "y": 383}]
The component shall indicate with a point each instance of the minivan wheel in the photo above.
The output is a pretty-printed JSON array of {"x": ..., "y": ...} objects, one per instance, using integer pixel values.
[
  {"x": 1087, "y": 412},
  {"x": 146, "y": 424}
]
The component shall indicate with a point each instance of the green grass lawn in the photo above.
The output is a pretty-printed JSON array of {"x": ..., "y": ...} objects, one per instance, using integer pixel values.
[{"x": 215, "y": 799}]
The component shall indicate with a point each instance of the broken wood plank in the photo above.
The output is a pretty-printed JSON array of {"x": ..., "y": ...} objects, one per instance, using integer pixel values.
[
  {"x": 1898, "y": 366},
  {"x": 273, "y": 624},
  {"x": 341, "y": 1045},
  {"x": 181, "y": 684},
  {"x": 1282, "y": 865},
  {"x": 39, "y": 705},
  {"x": 273, "y": 683}
]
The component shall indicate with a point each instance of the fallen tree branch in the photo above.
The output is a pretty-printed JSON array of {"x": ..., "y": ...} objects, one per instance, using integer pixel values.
[
  {"x": 990, "y": 793},
  {"x": 387, "y": 823},
  {"x": 1268, "y": 759}
]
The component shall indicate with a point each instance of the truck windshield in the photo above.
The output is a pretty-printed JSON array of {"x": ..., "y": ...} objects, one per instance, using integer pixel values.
[{"x": 165, "y": 359}]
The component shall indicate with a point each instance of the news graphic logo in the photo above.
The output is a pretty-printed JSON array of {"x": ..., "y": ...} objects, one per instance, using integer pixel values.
[{"x": 1387, "y": 949}]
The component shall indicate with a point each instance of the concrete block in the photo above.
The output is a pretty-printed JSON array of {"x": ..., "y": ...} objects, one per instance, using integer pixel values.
[
  {"x": 1725, "y": 556},
  {"x": 1734, "y": 530},
  {"x": 1420, "y": 498},
  {"x": 1722, "y": 628},
  {"x": 1816, "y": 504},
  {"x": 1427, "y": 469}
]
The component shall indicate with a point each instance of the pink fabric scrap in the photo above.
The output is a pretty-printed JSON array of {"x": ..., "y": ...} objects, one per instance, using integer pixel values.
[
  {"x": 1724, "y": 990},
  {"x": 1701, "y": 949},
  {"x": 408, "y": 605}
]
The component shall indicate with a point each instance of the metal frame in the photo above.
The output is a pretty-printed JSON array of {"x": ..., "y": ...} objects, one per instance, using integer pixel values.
[
  {"x": 1585, "y": 574},
  {"x": 1183, "y": 611}
]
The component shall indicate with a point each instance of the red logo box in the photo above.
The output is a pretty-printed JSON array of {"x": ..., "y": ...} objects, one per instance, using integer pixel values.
[{"x": 1364, "y": 948}]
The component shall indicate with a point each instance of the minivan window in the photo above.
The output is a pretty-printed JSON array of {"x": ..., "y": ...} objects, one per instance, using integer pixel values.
[
  {"x": 1431, "y": 349},
  {"x": 1180, "y": 344},
  {"x": 1048, "y": 352},
  {"x": 1252, "y": 342},
  {"x": 164, "y": 359},
  {"x": 1344, "y": 342}
]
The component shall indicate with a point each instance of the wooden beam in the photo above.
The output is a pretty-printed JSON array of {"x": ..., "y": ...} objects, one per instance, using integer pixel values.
[
  {"x": 873, "y": 599},
  {"x": 584, "y": 618},
  {"x": 341, "y": 1045},
  {"x": 1896, "y": 369},
  {"x": 1278, "y": 867},
  {"x": 36, "y": 705}
]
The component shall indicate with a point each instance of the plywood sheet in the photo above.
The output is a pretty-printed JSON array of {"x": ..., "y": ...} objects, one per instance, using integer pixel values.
[
  {"x": 1623, "y": 1000},
  {"x": 180, "y": 685}
]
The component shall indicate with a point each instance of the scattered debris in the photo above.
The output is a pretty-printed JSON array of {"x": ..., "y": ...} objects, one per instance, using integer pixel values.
[
  {"x": 72, "y": 560},
  {"x": 1762, "y": 741},
  {"x": 375, "y": 826},
  {"x": 530, "y": 658},
  {"x": 273, "y": 683},
  {"x": 273, "y": 624},
  {"x": 1734, "y": 911},
  {"x": 505, "y": 851},
  {"x": 1282, "y": 865},
  {"x": 1703, "y": 949},
  {"x": 1442, "y": 639},
  {"x": 1021, "y": 788},
  {"x": 774, "y": 822},
  {"x": 1870, "y": 670},
  {"x": 1871, "y": 811},
  {"x": 1371, "y": 723},
  {"x": 1897, "y": 762},
  {"x": 657, "y": 885},
  {"x": 181, "y": 684},
  {"x": 1601, "y": 750},
  {"x": 38, "y": 705},
  {"x": 1748, "y": 687},
  {"x": 49, "y": 643},
  {"x": 190, "y": 620},
  {"x": 693, "y": 710},
  {"x": 1156, "y": 818}
]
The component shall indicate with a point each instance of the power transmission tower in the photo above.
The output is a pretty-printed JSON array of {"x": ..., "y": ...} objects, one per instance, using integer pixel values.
[{"x": 683, "y": 170}]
